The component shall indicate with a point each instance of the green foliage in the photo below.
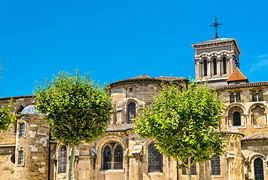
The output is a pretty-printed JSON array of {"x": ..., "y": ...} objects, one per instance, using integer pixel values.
[
  {"x": 76, "y": 109},
  {"x": 6, "y": 117},
  {"x": 183, "y": 123}
]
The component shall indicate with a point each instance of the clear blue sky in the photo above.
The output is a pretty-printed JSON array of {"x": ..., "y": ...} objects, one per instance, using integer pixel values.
[{"x": 118, "y": 39}]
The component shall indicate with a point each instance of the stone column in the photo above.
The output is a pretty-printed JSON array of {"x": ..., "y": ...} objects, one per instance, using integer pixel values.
[
  {"x": 196, "y": 69},
  {"x": 209, "y": 67},
  {"x": 218, "y": 66},
  {"x": 231, "y": 65},
  {"x": 200, "y": 70}
]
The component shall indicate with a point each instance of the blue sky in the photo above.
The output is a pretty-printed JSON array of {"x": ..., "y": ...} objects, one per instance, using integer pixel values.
[{"x": 118, "y": 39}]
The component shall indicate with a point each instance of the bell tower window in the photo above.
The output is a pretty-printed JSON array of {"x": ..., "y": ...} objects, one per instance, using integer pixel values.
[
  {"x": 214, "y": 61},
  {"x": 224, "y": 64},
  {"x": 205, "y": 67}
]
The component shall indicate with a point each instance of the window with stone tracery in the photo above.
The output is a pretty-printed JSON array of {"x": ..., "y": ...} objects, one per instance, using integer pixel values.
[
  {"x": 257, "y": 95},
  {"x": 235, "y": 97},
  {"x": 155, "y": 159},
  {"x": 112, "y": 156},
  {"x": 62, "y": 159}
]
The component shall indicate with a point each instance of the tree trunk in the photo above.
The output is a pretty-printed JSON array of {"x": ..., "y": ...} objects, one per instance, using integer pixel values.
[
  {"x": 177, "y": 166},
  {"x": 71, "y": 167},
  {"x": 188, "y": 169}
]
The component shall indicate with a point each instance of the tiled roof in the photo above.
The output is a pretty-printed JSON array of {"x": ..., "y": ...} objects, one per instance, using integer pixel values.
[
  {"x": 237, "y": 75},
  {"x": 146, "y": 78},
  {"x": 245, "y": 85}
]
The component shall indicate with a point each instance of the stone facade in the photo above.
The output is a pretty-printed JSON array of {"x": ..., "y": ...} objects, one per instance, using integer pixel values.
[{"x": 28, "y": 152}]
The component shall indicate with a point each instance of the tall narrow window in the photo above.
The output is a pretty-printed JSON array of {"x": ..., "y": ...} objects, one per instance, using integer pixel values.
[
  {"x": 62, "y": 160},
  {"x": 205, "y": 67},
  {"x": 236, "y": 119},
  {"x": 118, "y": 157},
  {"x": 107, "y": 158},
  {"x": 21, "y": 129},
  {"x": 224, "y": 64},
  {"x": 155, "y": 159},
  {"x": 214, "y": 61},
  {"x": 254, "y": 96},
  {"x": 20, "y": 157},
  {"x": 260, "y": 95},
  {"x": 258, "y": 169},
  {"x": 237, "y": 97},
  {"x": 232, "y": 97},
  {"x": 215, "y": 166},
  {"x": 131, "y": 111}
]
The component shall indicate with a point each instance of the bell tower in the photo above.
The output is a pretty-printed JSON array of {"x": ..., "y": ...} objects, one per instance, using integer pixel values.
[{"x": 216, "y": 59}]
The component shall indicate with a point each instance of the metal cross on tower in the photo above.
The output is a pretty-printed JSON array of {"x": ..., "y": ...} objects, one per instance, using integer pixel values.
[{"x": 216, "y": 24}]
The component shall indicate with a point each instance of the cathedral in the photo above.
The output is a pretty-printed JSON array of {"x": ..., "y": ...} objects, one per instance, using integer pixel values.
[{"x": 27, "y": 151}]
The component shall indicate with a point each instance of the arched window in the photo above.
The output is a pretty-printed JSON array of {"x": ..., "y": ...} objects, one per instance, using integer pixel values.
[
  {"x": 62, "y": 159},
  {"x": 21, "y": 157},
  {"x": 118, "y": 157},
  {"x": 215, "y": 166},
  {"x": 205, "y": 67},
  {"x": 21, "y": 129},
  {"x": 112, "y": 156},
  {"x": 107, "y": 157},
  {"x": 214, "y": 61},
  {"x": 155, "y": 159},
  {"x": 236, "y": 118},
  {"x": 258, "y": 169},
  {"x": 131, "y": 111},
  {"x": 224, "y": 64},
  {"x": 258, "y": 114}
]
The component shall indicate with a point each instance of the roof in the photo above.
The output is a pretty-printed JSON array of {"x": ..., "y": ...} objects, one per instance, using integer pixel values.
[
  {"x": 246, "y": 85},
  {"x": 255, "y": 137},
  {"x": 216, "y": 41},
  {"x": 237, "y": 75},
  {"x": 16, "y": 97},
  {"x": 147, "y": 78}
]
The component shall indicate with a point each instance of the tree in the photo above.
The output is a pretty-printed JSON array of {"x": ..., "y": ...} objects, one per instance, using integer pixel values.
[
  {"x": 183, "y": 124},
  {"x": 76, "y": 109},
  {"x": 6, "y": 117}
]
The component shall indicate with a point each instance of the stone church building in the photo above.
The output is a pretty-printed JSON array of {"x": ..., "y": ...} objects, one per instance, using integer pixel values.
[{"x": 27, "y": 151}]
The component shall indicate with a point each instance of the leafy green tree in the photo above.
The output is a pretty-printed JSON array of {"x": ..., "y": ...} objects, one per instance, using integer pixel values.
[
  {"x": 6, "y": 117},
  {"x": 76, "y": 109},
  {"x": 183, "y": 124}
]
